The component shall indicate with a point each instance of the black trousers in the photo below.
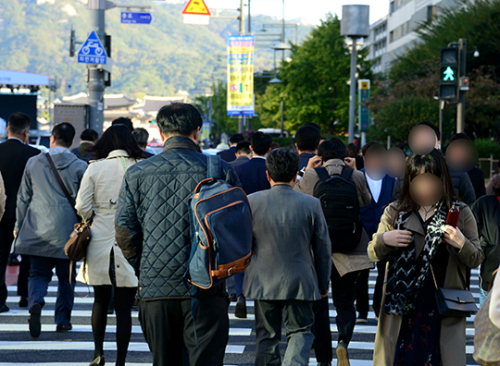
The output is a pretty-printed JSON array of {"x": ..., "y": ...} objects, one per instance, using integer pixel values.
[
  {"x": 343, "y": 295},
  {"x": 362, "y": 301},
  {"x": 379, "y": 287},
  {"x": 22, "y": 278},
  {"x": 6, "y": 238},
  {"x": 169, "y": 328}
]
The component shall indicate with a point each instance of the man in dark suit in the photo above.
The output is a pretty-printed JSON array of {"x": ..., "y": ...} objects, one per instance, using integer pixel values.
[
  {"x": 243, "y": 153},
  {"x": 306, "y": 142},
  {"x": 252, "y": 174},
  {"x": 253, "y": 178},
  {"x": 14, "y": 154},
  {"x": 230, "y": 154},
  {"x": 290, "y": 265},
  {"x": 381, "y": 186}
]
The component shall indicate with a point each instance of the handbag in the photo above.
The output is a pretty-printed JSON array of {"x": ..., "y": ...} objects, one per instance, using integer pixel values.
[
  {"x": 76, "y": 247},
  {"x": 453, "y": 302},
  {"x": 486, "y": 336}
]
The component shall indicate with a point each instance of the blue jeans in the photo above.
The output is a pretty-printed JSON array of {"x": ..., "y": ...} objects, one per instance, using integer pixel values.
[{"x": 38, "y": 283}]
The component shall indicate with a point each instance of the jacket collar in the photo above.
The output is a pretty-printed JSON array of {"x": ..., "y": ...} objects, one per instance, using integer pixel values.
[
  {"x": 334, "y": 162},
  {"x": 281, "y": 186},
  {"x": 180, "y": 142},
  {"x": 117, "y": 153}
]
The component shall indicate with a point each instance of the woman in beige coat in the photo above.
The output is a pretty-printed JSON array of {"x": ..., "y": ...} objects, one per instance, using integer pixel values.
[
  {"x": 105, "y": 267},
  {"x": 423, "y": 252}
]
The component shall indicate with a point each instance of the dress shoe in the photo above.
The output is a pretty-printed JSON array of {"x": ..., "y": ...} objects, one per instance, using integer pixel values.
[
  {"x": 241, "y": 308},
  {"x": 34, "y": 320},
  {"x": 4, "y": 308},
  {"x": 342, "y": 355},
  {"x": 98, "y": 361},
  {"x": 324, "y": 364},
  {"x": 233, "y": 298},
  {"x": 23, "y": 302},
  {"x": 63, "y": 328}
]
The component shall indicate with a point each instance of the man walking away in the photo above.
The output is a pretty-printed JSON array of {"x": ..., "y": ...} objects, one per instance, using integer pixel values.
[
  {"x": 14, "y": 154},
  {"x": 45, "y": 219},
  {"x": 306, "y": 142},
  {"x": 88, "y": 138},
  {"x": 142, "y": 136},
  {"x": 153, "y": 231},
  {"x": 230, "y": 154},
  {"x": 243, "y": 153},
  {"x": 290, "y": 266}
]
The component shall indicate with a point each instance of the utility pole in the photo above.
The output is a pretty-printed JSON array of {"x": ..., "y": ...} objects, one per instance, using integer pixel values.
[
  {"x": 96, "y": 85},
  {"x": 462, "y": 49},
  {"x": 352, "y": 90},
  {"x": 249, "y": 19}
]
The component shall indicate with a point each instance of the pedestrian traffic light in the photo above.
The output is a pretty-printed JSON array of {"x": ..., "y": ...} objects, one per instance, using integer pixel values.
[
  {"x": 449, "y": 74},
  {"x": 72, "y": 43}
]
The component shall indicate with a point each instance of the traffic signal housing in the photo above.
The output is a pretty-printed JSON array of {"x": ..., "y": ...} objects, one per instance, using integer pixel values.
[{"x": 449, "y": 74}]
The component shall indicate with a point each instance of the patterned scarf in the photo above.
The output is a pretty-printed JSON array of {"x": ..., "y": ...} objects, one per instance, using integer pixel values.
[{"x": 404, "y": 279}]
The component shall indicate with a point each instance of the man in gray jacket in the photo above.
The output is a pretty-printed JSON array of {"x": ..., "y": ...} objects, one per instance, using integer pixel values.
[
  {"x": 45, "y": 219},
  {"x": 291, "y": 263}
]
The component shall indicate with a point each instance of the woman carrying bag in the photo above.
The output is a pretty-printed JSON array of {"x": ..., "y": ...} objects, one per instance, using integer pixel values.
[
  {"x": 106, "y": 268},
  {"x": 424, "y": 256}
]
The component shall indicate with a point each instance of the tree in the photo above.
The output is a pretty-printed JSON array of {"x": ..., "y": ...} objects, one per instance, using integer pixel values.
[{"x": 314, "y": 87}]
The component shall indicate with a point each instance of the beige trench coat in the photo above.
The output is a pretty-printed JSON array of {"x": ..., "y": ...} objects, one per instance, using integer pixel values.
[
  {"x": 358, "y": 260},
  {"x": 98, "y": 193},
  {"x": 452, "y": 338}
]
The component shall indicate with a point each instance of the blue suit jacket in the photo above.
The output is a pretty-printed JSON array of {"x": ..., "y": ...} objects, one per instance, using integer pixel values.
[
  {"x": 371, "y": 214},
  {"x": 252, "y": 175},
  {"x": 228, "y": 155}
]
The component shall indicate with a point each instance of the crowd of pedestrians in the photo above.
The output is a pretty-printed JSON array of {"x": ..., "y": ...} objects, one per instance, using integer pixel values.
[{"x": 324, "y": 216}]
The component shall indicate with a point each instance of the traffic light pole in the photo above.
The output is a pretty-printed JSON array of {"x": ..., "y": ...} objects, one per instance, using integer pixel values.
[
  {"x": 352, "y": 90},
  {"x": 462, "y": 49},
  {"x": 96, "y": 84}
]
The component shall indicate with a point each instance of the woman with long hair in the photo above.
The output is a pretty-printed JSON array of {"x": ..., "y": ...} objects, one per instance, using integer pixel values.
[
  {"x": 423, "y": 253},
  {"x": 105, "y": 267}
]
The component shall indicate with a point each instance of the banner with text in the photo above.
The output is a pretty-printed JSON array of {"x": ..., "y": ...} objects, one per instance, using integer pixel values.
[{"x": 240, "y": 100}]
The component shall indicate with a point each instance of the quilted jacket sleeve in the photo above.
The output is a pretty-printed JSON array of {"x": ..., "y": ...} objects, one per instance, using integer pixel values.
[{"x": 128, "y": 228}]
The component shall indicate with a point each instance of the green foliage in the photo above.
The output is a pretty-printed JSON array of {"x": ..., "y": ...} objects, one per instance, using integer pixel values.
[
  {"x": 486, "y": 147},
  {"x": 284, "y": 141},
  {"x": 406, "y": 96},
  {"x": 314, "y": 87}
]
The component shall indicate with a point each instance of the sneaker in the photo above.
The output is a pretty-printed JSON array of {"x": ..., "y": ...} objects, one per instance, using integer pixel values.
[
  {"x": 241, "y": 308},
  {"x": 361, "y": 321},
  {"x": 34, "y": 320},
  {"x": 342, "y": 355}
]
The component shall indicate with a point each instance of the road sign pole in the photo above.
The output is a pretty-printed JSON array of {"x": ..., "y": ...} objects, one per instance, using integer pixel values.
[
  {"x": 462, "y": 54},
  {"x": 96, "y": 85},
  {"x": 241, "y": 127},
  {"x": 352, "y": 91}
]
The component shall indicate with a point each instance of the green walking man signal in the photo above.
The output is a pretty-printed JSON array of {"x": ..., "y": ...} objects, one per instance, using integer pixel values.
[{"x": 449, "y": 74}]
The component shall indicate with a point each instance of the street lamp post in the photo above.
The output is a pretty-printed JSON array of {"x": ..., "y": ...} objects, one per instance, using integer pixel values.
[{"x": 280, "y": 47}]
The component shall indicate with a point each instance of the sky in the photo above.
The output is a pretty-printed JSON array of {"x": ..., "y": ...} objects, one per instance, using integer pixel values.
[{"x": 312, "y": 11}]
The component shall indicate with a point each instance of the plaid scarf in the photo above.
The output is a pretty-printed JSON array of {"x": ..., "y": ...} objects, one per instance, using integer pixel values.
[{"x": 404, "y": 278}]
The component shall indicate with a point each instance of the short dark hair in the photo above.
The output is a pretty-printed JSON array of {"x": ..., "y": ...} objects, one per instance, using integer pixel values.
[
  {"x": 459, "y": 136},
  {"x": 312, "y": 124},
  {"x": 368, "y": 145},
  {"x": 89, "y": 135},
  {"x": 123, "y": 121},
  {"x": 141, "y": 135},
  {"x": 114, "y": 138},
  {"x": 243, "y": 147},
  {"x": 333, "y": 148},
  {"x": 352, "y": 150},
  {"x": 282, "y": 165},
  {"x": 307, "y": 138},
  {"x": 64, "y": 133},
  {"x": 178, "y": 119},
  {"x": 433, "y": 126},
  {"x": 18, "y": 123},
  {"x": 237, "y": 137},
  {"x": 261, "y": 142}
]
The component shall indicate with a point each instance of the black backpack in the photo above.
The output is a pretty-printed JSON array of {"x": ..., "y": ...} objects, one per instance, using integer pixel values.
[{"x": 339, "y": 200}]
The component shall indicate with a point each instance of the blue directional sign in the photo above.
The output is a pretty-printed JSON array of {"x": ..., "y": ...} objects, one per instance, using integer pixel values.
[
  {"x": 92, "y": 51},
  {"x": 136, "y": 18}
]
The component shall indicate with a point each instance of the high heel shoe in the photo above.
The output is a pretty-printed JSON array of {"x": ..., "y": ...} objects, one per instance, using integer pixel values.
[{"x": 98, "y": 361}]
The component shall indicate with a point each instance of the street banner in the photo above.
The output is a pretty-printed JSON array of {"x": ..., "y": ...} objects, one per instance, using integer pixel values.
[{"x": 240, "y": 51}]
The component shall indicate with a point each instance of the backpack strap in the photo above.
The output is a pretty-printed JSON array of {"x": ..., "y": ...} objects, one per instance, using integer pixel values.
[
  {"x": 322, "y": 173},
  {"x": 347, "y": 173},
  {"x": 214, "y": 166}
]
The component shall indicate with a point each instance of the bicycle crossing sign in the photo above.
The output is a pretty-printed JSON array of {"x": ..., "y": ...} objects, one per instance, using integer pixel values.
[{"x": 92, "y": 51}]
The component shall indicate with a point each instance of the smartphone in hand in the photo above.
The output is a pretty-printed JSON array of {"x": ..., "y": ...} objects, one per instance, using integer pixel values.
[{"x": 453, "y": 215}]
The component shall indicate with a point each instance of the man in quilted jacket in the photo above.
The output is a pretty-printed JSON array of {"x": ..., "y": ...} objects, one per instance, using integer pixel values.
[{"x": 153, "y": 231}]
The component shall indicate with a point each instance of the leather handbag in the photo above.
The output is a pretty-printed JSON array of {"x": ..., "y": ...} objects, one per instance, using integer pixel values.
[
  {"x": 486, "y": 336},
  {"x": 453, "y": 302}
]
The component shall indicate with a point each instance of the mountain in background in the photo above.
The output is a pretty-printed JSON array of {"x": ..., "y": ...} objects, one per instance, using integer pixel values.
[{"x": 157, "y": 59}]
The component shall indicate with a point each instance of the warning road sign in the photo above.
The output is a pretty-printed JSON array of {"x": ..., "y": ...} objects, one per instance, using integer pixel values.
[{"x": 197, "y": 7}]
